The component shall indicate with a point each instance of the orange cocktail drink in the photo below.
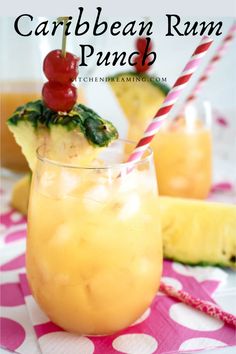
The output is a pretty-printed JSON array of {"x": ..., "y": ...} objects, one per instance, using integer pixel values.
[
  {"x": 94, "y": 250},
  {"x": 183, "y": 158}
]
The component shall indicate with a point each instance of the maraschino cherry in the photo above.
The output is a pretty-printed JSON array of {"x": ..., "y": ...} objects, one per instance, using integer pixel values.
[
  {"x": 141, "y": 43},
  {"x": 61, "y": 69},
  {"x": 59, "y": 97}
]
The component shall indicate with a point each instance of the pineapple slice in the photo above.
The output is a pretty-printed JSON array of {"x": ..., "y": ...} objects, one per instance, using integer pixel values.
[
  {"x": 199, "y": 232},
  {"x": 75, "y": 137},
  {"x": 20, "y": 194},
  {"x": 139, "y": 98}
]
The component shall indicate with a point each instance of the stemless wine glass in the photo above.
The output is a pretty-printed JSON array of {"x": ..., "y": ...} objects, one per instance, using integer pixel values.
[
  {"x": 183, "y": 153},
  {"x": 94, "y": 250}
]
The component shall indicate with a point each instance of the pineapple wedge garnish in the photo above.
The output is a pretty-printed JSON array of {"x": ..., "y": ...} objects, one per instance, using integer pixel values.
[
  {"x": 75, "y": 137},
  {"x": 199, "y": 232},
  {"x": 139, "y": 97}
]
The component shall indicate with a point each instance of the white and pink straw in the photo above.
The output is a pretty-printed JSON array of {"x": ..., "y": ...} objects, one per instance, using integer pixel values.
[
  {"x": 220, "y": 51},
  {"x": 152, "y": 129},
  {"x": 171, "y": 98}
]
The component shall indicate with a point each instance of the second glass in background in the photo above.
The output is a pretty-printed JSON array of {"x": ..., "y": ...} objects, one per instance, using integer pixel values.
[{"x": 183, "y": 153}]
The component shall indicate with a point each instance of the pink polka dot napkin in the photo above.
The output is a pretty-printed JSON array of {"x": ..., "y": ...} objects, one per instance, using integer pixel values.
[{"x": 164, "y": 327}]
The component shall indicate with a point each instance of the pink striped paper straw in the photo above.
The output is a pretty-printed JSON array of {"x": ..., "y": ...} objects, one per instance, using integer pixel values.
[
  {"x": 220, "y": 51},
  {"x": 171, "y": 98},
  {"x": 198, "y": 304}
]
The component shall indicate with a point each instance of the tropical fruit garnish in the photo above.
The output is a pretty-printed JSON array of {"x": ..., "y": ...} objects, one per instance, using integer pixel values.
[
  {"x": 69, "y": 132},
  {"x": 139, "y": 94},
  {"x": 199, "y": 232},
  {"x": 72, "y": 137},
  {"x": 139, "y": 97},
  {"x": 61, "y": 69}
]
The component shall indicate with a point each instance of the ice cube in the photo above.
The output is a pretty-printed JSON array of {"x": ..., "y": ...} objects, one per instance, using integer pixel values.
[
  {"x": 47, "y": 180},
  {"x": 138, "y": 180},
  {"x": 95, "y": 197},
  {"x": 128, "y": 181},
  {"x": 179, "y": 182},
  {"x": 129, "y": 206},
  {"x": 147, "y": 182},
  {"x": 48, "y": 183},
  {"x": 68, "y": 182},
  {"x": 55, "y": 184},
  {"x": 62, "y": 234}
]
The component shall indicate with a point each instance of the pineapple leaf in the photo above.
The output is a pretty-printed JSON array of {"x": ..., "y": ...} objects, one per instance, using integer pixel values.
[{"x": 98, "y": 131}]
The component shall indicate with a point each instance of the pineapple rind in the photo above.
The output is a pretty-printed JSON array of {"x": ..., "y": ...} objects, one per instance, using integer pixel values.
[
  {"x": 200, "y": 264},
  {"x": 199, "y": 232}
]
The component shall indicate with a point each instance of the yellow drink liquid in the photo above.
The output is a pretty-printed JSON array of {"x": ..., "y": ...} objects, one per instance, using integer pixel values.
[
  {"x": 183, "y": 158},
  {"x": 183, "y": 161},
  {"x": 94, "y": 251}
]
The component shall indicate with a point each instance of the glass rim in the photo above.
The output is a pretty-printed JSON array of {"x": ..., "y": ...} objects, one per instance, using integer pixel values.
[{"x": 116, "y": 165}]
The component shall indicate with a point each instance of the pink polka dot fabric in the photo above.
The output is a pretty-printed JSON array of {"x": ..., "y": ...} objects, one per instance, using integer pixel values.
[
  {"x": 17, "y": 333},
  {"x": 166, "y": 326}
]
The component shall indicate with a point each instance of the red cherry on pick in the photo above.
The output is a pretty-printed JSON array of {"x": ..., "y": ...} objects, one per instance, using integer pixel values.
[
  {"x": 140, "y": 68},
  {"x": 141, "y": 43},
  {"x": 59, "y": 97},
  {"x": 60, "y": 69}
]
